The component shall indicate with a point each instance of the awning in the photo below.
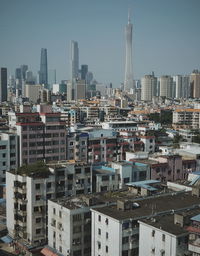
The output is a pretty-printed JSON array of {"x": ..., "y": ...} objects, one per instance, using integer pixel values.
[
  {"x": 6, "y": 239},
  {"x": 48, "y": 252}
]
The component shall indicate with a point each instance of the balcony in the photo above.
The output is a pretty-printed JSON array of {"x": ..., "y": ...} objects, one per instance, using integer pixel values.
[{"x": 194, "y": 246}]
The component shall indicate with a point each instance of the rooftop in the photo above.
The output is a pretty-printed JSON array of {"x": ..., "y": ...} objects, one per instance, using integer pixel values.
[
  {"x": 166, "y": 223},
  {"x": 158, "y": 205}
]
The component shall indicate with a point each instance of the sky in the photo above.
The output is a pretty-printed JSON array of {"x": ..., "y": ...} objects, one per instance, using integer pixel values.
[{"x": 166, "y": 36}]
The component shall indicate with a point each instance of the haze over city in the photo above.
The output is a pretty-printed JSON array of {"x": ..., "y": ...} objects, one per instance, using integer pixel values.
[{"x": 165, "y": 36}]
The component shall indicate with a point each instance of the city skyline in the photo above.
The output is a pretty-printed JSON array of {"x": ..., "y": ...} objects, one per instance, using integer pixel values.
[{"x": 165, "y": 37}]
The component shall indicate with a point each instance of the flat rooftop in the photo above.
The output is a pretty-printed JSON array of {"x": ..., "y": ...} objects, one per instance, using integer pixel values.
[
  {"x": 153, "y": 206},
  {"x": 166, "y": 223}
]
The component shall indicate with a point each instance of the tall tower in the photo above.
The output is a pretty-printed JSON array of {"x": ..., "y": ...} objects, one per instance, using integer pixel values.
[
  {"x": 43, "y": 74},
  {"x": 128, "y": 81},
  {"x": 3, "y": 84},
  {"x": 74, "y": 61}
]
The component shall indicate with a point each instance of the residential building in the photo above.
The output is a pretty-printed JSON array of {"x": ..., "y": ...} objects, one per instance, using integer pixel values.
[
  {"x": 122, "y": 220},
  {"x": 148, "y": 87},
  {"x": 29, "y": 188},
  {"x": 195, "y": 84},
  {"x": 166, "y": 84},
  {"x": 9, "y": 154},
  {"x": 69, "y": 222},
  {"x": 41, "y": 136},
  {"x": 162, "y": 237}
]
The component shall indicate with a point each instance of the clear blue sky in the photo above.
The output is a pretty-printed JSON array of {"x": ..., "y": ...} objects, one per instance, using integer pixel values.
[{"x": 166, "y": 37}]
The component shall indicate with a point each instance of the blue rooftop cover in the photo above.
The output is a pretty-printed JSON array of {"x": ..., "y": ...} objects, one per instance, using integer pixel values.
[
  {"x": 196, "y": 218},
  {"x": 6, "y": 239},
  {"x": 194, "y": 180}
]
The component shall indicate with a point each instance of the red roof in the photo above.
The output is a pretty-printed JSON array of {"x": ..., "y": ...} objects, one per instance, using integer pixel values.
[{"x": 48, "y": 252}]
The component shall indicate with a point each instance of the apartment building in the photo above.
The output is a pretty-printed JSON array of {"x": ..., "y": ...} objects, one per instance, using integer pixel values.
[
  {"x": 162, "y": 237},
  {"x": 102, "y": 146},
  {"x": 8, "y": 154},
  {"x": 122, "y": 221},
  {"x": 41, "y": 136},
  {"x": 28, "y": 190},
  {"x": 69, "y": 224},
  {"x": 120, "y": 125},
  {"x": 77, "y": 146},
  {"x": 186, "y": 118}
]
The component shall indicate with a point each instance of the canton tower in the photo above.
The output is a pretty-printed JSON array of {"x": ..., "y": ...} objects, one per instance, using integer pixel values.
[{"x": 128, "y": 81}]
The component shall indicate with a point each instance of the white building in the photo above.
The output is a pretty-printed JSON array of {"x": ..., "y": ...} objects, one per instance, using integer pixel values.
[
  {"x": 120, "y": 125},
  {"x": 8, "y": 154},
  {"x": 162, "y": 237},
  {"x": 148, "y": 87},
  {"x": 115, "y": 228},
  {"x": 28, "y": 191},
  {"x": 69, "y": 225},
  {"x": 166, "y": 84}
]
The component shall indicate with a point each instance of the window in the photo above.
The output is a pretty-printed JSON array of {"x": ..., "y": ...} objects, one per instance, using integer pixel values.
[
  {"x": 60, "y": 248},
  {"x": 3, "y": 155},
  {"x": 106, "y": 249},
  {"x": 106, "y": 221},
  {"x": 78, "y": 170},
  {"x": 99, "y": 231},
  {"x": 38, "y": 231},
  {"x": 76, "y": 217},
  {"x": 71, "y": 143},
  {"x": 37, "y": 186},
  {"x": 49, "y": 185},
  {"x": 99, "y": 217},
  {"x": 60, "y": 214},
  {"x": 162, "y": 253},
  {"x": 125, "y": 240},
  {"x": 38, "y": 220},
  {"x": 163, "y": 238},
  {"x": 106, "y": 235},
  {"x": 99, "y": 245},
  {"x": 54, "y": 234},
  {"x": 54, "y": 210},
  {"x": 153, "y": 233},
  {"x": 37, "y": 197}
]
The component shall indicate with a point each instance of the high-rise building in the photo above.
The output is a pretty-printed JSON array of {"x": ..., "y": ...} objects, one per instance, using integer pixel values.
[
  {"x": 74, "y": 60},
  {"x": 177, "y": 81},
  {"x": 128, "y": 81},
  {"x": 80, "y": 89},
  {"x": 84, "y": 70},
  {"x": 3, "y": 84},
  {"x": 195, "y": 84},
  {"x": 43, "y": 74},
  {"x": 166, "y": 86},
  {"x": 51, "y": 78},
  {"x": 24, "y": 68},
  {"x": 18, "y": 74},
  {"x": 148, "y": 87}
]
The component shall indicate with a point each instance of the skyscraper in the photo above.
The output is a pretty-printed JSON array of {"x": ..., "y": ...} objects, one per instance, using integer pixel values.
[
  {"x": 74, "y": 60},
  {"x": 128, "y": 81},
  {"x": 3, "y": 85},
  {"x": 43, "y": 76},
  {"x": 24, "y": 68},
  {"x": 84, "y": 70}
]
